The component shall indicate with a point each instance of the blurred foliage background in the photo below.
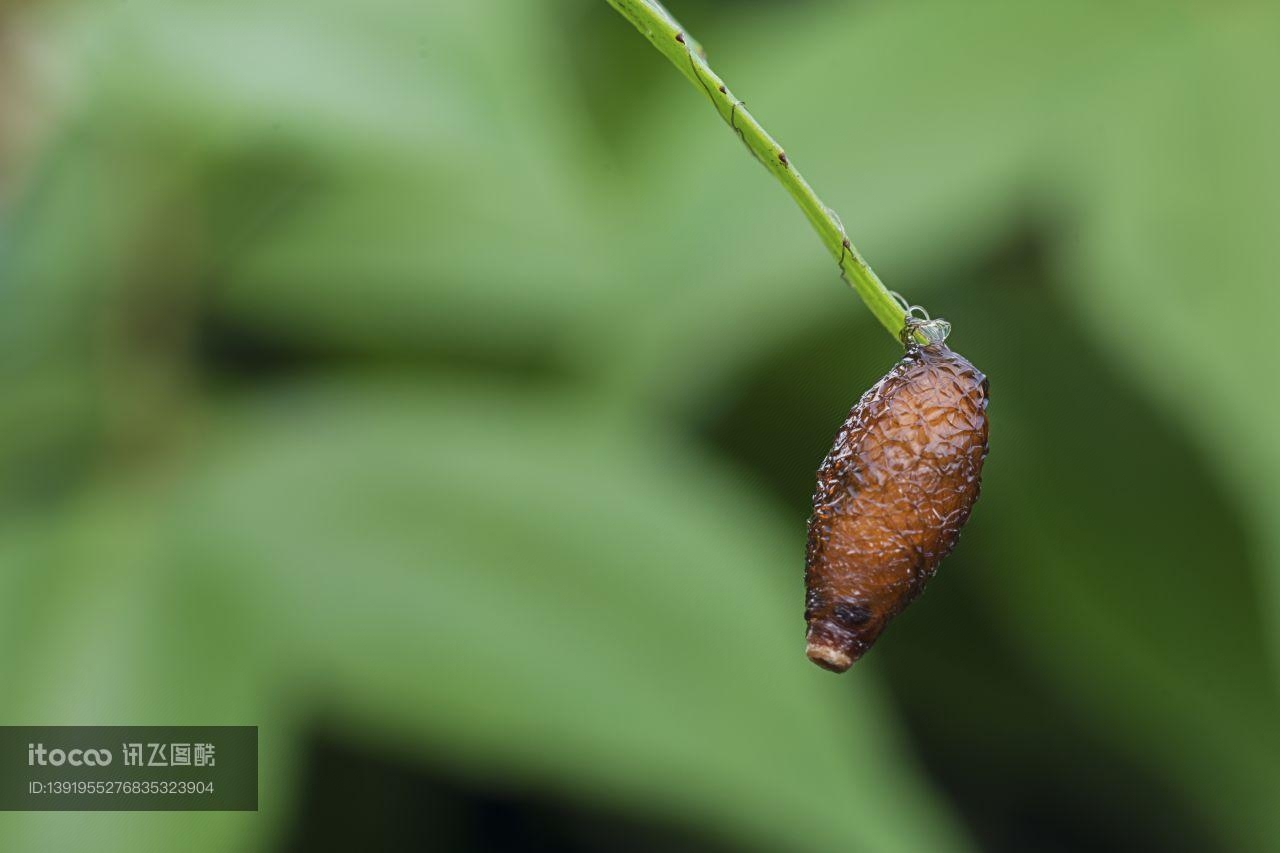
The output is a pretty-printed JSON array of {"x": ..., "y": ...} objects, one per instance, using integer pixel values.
[{"x": 439, "y": 386}]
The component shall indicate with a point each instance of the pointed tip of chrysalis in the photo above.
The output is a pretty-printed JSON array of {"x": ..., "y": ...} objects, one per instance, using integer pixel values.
[{"x": 829, "y": 657}]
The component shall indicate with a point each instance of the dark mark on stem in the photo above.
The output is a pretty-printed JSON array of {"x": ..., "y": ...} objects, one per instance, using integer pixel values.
[
  {"x": 733, "y": 111},
  {"x": 782, "y": 155},
  {"x": 698, "y": 74},
  {"x": 733, "y": 123}
]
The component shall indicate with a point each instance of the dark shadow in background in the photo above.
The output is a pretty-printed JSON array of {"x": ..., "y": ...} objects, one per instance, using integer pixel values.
[{"x": 355, "y": 800}]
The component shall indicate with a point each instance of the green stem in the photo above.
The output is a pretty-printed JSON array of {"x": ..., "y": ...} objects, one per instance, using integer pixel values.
[{"x": 657, "y": 24}]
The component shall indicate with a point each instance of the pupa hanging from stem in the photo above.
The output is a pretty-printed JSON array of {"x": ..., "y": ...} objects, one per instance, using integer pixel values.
[
  {"x": 893, "y": 493},
  {"x": 903, "y": 475}
]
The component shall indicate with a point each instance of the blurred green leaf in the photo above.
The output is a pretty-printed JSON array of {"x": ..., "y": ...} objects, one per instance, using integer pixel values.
[
  {"x": 408, "y": 153},
  {"x": 616, "y": 628},
  {"x": 101, "y": 627},
  {"x": 1177, "y": 251}
]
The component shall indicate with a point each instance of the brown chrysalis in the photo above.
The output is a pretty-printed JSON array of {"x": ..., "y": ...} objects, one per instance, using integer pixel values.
[{"x": 892, "y": 495}]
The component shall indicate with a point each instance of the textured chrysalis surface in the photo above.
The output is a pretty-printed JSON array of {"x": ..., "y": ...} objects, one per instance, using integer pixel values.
[{"x": 892, "y": 496}]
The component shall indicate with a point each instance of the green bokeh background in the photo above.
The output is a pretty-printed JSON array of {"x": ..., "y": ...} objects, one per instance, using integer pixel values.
[{"x": 439, "y": 386}]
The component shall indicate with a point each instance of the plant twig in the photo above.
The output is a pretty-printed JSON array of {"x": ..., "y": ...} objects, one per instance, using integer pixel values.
[{"x": 657, "y": 24}]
